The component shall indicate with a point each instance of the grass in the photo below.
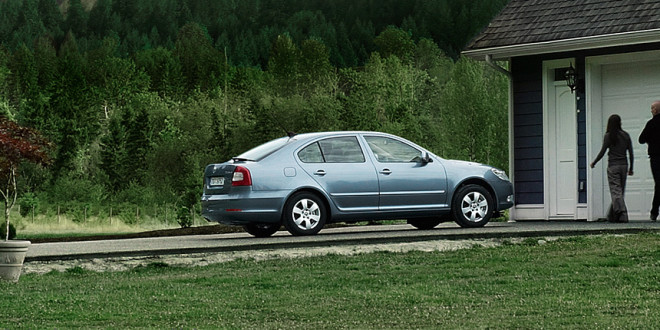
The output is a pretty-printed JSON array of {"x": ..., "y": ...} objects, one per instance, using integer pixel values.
[
  {"x": 48, "y": 227},
  {"x": 587, "y": 282}
]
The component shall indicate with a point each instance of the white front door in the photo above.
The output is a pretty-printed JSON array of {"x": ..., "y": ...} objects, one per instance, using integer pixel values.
[{"x": 562, "y": 151}]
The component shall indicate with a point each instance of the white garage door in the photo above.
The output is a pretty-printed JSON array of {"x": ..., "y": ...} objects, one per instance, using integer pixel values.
[{"x": 628, "y": 90}]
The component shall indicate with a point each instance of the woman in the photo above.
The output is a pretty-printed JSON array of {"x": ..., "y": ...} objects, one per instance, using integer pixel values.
[{"x": 618, "y": 142}]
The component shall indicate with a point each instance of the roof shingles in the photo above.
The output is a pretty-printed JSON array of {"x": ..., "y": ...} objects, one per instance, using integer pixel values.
[{"x": 532, "y": 21}]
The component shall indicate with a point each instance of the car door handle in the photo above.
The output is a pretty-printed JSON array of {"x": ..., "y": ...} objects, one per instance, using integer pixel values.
[
  {"x": 320, "y": 173},
  {"x": 386, "y": 171}
]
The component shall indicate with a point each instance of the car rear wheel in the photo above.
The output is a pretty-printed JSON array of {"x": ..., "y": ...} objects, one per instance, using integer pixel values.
[
  {"x": 304, "y": 214},
  {"x": 425, "y": 223},
  {"x": 472, "y": 206},
  {"x": 262, "y": 229}
]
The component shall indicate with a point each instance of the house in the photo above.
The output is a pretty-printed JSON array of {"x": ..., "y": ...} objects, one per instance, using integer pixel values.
[{"x": 555, "y": 132}]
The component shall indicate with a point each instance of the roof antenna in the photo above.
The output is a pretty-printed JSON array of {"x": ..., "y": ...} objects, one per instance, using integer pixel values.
[{"x": 290, "y": 134}]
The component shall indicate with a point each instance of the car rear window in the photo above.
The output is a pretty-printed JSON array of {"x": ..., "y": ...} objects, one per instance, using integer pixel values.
[{"x": 262, "y": 151}]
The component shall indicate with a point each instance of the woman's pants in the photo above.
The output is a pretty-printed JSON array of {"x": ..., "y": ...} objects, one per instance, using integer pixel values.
[{"x": 616, "y": 176}]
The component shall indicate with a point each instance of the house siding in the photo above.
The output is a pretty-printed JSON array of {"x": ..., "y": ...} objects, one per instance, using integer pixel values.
[{"x": 528, "y": 130}]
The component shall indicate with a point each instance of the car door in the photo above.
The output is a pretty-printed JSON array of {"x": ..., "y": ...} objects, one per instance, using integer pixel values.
[
  {"x": 339, "y": 166},
  {"x": 406, "y": 181}
]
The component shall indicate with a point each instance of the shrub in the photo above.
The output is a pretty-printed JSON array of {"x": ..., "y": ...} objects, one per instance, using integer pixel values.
[
  {"x": 128, "y": 213},
  {"x": 28, "y": 202},
  {"x": 184, "y": 217},
  {"x": 3, "y": 230}
]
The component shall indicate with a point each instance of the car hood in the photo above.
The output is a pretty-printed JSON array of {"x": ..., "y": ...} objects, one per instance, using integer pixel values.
[{"x": 454, "y": 162}]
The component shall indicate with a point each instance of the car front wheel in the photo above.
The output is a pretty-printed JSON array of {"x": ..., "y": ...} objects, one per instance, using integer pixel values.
[
  {"x": 262, "y": 229},
  {"x": 304, "y": 214},
  {"x": 472, "y": 206}
]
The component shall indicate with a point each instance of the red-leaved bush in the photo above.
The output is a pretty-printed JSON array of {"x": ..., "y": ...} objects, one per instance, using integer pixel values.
[{"x": 18, "y": 144}]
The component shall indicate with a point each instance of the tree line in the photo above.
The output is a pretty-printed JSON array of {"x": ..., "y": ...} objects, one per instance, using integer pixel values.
[
  {"x": 135, "y": 123},
  {"x": 245, "y": 29}
]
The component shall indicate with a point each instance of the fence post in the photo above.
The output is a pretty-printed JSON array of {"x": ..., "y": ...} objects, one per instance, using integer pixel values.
[
  {"x": 58, "y": 215},
  {"x": 110, "y": 215}
]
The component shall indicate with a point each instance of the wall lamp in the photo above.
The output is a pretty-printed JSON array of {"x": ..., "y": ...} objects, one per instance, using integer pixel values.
[{"x": 571, "y": 78}]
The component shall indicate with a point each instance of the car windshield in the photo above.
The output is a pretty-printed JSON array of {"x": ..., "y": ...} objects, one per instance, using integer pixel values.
[{"x": 262, "y": 151}]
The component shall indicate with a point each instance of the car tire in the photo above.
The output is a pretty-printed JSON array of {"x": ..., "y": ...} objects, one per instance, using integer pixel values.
[
  {"x": 425, "y": 223},
  {"x": 472, "y": 206},
  {"x": 262, "y": 229},
  {"x": 304, "y": 214}
]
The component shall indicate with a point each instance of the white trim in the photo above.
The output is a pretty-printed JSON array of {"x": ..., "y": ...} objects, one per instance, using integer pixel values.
[
  {"x": 566, "y": 45},
  {"x": 593, "y": 90},
  {"x": 582, "y": 211},
  {"x": 512, "y": 160},
  {"x": 529, "y": 212}
]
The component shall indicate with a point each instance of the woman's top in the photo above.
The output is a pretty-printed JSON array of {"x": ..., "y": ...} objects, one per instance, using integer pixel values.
[{"x": 617, "y": 154}]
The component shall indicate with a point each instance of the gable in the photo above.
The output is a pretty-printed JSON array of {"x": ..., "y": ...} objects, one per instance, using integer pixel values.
[{"x": 527, "y": 27}]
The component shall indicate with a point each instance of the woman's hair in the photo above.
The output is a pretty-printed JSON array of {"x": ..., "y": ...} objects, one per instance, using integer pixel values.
[{"x": 613, "y": 128}]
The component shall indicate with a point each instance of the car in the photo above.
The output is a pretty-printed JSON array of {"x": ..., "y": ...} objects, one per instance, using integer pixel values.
[{"x": 306, "y": 181}]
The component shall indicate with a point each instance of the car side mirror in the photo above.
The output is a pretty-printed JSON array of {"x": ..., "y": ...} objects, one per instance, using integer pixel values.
[{"x": 426, "y": 159}]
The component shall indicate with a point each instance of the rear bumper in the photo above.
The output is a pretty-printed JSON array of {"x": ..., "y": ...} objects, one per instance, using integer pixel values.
[{"x": 259, "y": 207}]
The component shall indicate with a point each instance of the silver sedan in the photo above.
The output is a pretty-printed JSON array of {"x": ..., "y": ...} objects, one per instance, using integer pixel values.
[{"x": 305, "y": 181}]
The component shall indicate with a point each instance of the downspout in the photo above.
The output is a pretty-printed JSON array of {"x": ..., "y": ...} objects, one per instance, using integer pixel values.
[
  {"x": 489, "y": 61},
  {"x": 509, "y": 75}
]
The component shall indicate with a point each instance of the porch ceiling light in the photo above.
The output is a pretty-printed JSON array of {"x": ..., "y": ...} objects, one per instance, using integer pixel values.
[{"x": 571, "y": 78}]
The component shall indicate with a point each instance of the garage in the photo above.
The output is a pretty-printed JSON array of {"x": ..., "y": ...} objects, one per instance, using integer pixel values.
[
  {"x": 625, "y": 85},
  {"x": 571, "y": 65}
]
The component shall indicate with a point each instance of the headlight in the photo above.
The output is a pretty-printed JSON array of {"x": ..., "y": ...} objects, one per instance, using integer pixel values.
[{"x": 500, "y": 174}]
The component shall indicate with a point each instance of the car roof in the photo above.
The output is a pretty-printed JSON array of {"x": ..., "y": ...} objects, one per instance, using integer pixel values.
[{"x": 315, "y": 135}]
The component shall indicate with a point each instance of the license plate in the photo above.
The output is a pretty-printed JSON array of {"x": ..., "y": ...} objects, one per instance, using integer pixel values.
[{"x": 217, "y": 181}]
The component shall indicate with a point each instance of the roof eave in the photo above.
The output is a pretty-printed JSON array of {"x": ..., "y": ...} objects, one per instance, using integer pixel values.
[{"x": 566, "y": 45}]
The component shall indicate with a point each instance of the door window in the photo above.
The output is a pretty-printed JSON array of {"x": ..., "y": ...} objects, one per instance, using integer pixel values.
[
  {"x": 388, "y": 150},
  {"x": 333, "y": 150}
]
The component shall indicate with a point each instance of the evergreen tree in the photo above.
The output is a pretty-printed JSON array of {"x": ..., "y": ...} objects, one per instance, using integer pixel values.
[
  {"x": 163, "y": 70},
  {"x": 394, "y": 41},
  {"x": 113, "y": 155},
  {"x": 284, "y": 64},
  {"x": 201, "y": 64},
  {"x": 76, "y": 18},
  {"x": 136, "y": 124},
  {"x": 100, "y": 19}
]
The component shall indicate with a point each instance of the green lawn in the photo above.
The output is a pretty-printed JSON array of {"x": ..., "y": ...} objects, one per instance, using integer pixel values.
[{"x": 586, "y": 282}]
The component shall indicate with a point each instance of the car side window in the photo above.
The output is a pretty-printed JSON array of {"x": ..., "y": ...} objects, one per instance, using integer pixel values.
[
  {"x": 342, "y": 150},
  {"x": 333, "y": 150},
  {"x": 311, "y": 154},
  {"x": 388, "y": 150}
]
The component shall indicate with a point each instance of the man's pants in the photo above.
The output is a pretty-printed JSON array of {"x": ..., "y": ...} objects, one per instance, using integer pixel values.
[
  {"x": 655, "y": 170},
  {"x": 616, "y": 177}
]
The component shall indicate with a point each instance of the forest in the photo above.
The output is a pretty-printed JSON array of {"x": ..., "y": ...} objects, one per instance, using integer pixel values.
[{"x": 138, "y": 96}]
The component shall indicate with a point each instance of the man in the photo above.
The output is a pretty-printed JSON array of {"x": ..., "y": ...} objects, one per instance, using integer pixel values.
[{"x": 651, "y": 136}]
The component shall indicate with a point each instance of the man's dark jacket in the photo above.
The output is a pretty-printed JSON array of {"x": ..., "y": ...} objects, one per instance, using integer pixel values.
[{"x": 651, "y": 135}]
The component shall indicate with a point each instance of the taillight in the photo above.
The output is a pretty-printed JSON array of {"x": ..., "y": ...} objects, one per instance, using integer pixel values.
[{"x": 241, "y": 177}]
